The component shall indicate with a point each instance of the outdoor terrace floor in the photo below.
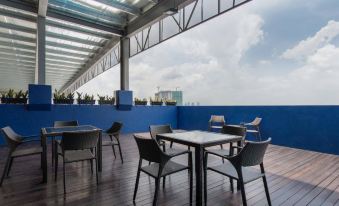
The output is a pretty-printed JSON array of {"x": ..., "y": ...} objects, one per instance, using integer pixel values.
[{"x": 295, "y": 177}]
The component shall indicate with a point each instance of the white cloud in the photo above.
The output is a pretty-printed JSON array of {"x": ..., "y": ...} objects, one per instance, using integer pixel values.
[{"x": 309, "y": 46}]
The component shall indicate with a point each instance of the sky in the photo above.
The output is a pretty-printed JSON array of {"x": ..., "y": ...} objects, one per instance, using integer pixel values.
[{"x": 266, "y": 52}]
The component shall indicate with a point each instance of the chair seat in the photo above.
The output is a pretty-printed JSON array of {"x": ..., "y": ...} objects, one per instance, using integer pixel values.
[
  {"x": 249, "y": 174},
  {"x": 173, "y": 151},
  {"x": 216, "y": 127},
  {"x": 219, "y": 152},
  {"x": 25, "y": 152},
  {"x": 170, "y": 168},
  {"x": 78, "y": 155},
  {"x": 251, "y": 131},
  {"x": 109, "y": 143}
]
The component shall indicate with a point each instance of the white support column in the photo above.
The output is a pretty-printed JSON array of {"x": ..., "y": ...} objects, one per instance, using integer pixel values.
[
  {"x": 124, "y": 63},
  {"x": 40, "y": 74}
]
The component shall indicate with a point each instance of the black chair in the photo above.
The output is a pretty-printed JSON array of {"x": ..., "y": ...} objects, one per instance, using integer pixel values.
[
  {"x": 114, "y": 135},
  {"x": 162, "y": 129},
  {"x": 161, "y": 166},
  {"x": 14, "y": 143},
  {"x": 240, "y": 167},
  {"x": 231, "y": 130},
  {"x": 71, "y": 123},
  {"x": 76, "y": 147}
]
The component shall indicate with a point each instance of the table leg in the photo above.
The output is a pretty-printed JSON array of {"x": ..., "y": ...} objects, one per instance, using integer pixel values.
[
  {"x": 44, "y": 157},
  {"x": 198, "y": 174},
  {"x": 99, "y": 152}
]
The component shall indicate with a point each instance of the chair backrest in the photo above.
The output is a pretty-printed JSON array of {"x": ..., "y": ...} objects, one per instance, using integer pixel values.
[
  {"x": 159, "y": 129},
  {"x": 217, "y": 119},
  {"x": 149, "y": 149},
  {"x": 234, "y": 130},
  {"x": 256, "y": 121},
  {"x": 65, "y": 123},
  {"x": 79, "y": 140},
  {"x": 253, "y": 153},
  {"x": 115, "y": 128},
  {"x": 11, "y": 137}
]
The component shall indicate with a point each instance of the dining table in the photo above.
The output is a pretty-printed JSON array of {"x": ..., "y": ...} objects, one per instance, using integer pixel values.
[
  {"x": 199, "y": 140},
  {"x": 58, "y": 131}
]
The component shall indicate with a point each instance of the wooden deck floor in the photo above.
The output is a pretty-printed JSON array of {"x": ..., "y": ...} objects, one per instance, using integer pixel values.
[{"x": 295, "y": 177}]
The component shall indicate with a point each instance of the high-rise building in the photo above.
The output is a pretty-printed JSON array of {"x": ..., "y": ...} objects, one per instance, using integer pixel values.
[{"x": 174, "y": 95}]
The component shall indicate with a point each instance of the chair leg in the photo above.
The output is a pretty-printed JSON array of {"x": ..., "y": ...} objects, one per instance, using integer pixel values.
[
  {"x": 97, "y": 170},
  {"x": 113, "y": 149},
  {"x": 64, "y": 177},
  {"x": 157, "y": 185},
  {"x": 267, "y": 191},
  {"x": 205, "y": 178},
  {"x": 171, "y": 144},
  {"x": 56, "y": 167},
  {"x": 10, "y": 166},
  {"x": 163, "y": 181},
  {"x": 137, "y": 182},
  {"x": 53, "y": 151},
  {"x": 243, "y": 193},
  {"x": 231, "y": 185},
  {"x": 5, "y": 169},
  {"x": 91, "y": 162},
  {"x": 122, "y": 160}
]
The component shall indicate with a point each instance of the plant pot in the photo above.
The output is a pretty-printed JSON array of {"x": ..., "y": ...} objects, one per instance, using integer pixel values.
[
  {"x": 63, "y": 101},
  {"x": 156, "y": 103},
  {"x": 86, "y": 102},
  {"x": 106, "y": 102},
  {"x": 170, "y": 103},
  {"x": 6, "y": 100},
  {"x": 143, "y": 103}
]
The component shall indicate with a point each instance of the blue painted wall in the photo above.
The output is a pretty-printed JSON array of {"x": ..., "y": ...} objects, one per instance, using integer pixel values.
[
  {"x": 138, "y": 119},
  {"x": 307, "y": 127}
]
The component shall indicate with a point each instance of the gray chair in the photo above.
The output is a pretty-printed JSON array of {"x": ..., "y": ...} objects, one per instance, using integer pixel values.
[
  {"x": 254, "y": 127},
  {"x": 114, "y": 135},
  {"x": 14, "y": 143},
  {"x": 161, "y": 166},
  {"x": 162, "y": 129},
  {"x": 76, "y": 147},
  {"x": 71, "y": 123},
  {"x": 240, "y": 168},
  {"x": 231, "y": 130}
]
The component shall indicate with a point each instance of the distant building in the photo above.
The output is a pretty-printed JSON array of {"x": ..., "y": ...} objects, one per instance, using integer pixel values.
[{"x": 175, "y": 95}]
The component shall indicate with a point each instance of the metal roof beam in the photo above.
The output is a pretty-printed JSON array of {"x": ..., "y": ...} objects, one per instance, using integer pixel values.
[
  {"x": 153, "y": 15},
  {"x": 66, "y": 54},
  {"x": 14, "y": 57},
  {"x": 110, "y": 29},
  {"x": 17, "y": 37},
  {"x": 15, "y": 52},
  {"x": 130, "y": 9},
  {"x": 26, "y": 61},
  {"x": 65, "y": 59},
  {"x": 96, "y": 59},
  {"x": 70, "y": 47},
  {"x": 21, "y": 5},
  {"x": 17, "y": 45},
  {"x": 77, "y": 29},
  {"x": 16, "y": 15},
  {"x": 16, "y": 63},
  {"x": 73, "y": 39},
  {"x": 17, "y": 28}
]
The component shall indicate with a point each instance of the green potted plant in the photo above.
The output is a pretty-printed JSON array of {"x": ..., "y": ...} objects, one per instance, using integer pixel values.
[
  {"x": 61, "y": 98},
  {"x": 156, "y": 101},
  {"x": 142, "y": 102},
  {"x": 170, "y": 102},
  {"x": 12, "y": 97},
  {"x": 106, "y": 100},
  {"x": 87, "y": 99}
]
